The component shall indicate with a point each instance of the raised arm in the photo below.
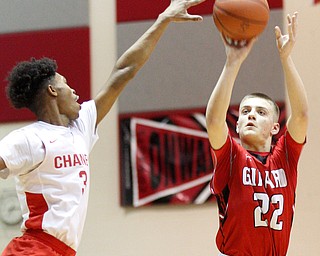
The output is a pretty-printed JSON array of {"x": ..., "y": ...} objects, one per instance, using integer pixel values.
[
  {"x": 298, "y": 120},
  {"x": 135, "y": 57},
  {"x": 219, "y": 100}
]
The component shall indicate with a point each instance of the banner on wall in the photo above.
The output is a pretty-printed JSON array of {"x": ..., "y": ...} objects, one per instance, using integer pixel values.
[
  {"x": 165, "y": 156},
  {"x": 316, "y": 1}
]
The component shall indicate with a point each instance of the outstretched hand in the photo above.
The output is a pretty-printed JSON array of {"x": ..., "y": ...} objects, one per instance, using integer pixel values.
[
  {"x": 285, "y": 43},
  {"x": 177, "y": 10},
  {"x": 237, "y": 53}
]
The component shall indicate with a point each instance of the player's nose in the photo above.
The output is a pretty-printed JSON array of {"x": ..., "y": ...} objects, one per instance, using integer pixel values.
[{"x": 252, "y": 116}]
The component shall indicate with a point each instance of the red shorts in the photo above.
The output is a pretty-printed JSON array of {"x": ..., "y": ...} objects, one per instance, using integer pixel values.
[{"x": 37, "y": 243}]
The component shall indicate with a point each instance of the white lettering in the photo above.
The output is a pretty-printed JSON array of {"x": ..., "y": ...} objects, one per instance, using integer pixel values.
[
  {"x": 268, "y": 181},
  {"x": 273, "y": 179},
  {"x": 280, "y": 178},
  {"x": 246, "y": 179}
]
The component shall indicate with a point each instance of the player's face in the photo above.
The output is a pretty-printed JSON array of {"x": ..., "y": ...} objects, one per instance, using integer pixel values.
[
  {"x": 256, "y": 123},
  {"x": 67, "y": 98}
]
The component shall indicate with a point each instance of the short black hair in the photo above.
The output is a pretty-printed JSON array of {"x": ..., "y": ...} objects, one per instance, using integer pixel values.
[{"x": 26, "y": 80}]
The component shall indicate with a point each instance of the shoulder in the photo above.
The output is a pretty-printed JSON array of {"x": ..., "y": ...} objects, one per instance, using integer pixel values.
[
  {"x": 22, "y": 134},
  {"x": 21, "y": 149},
  {"x": 230, "y": 147},
  {"x": 22, "y": 140},
  {"x": 286, "y": 140},
  {"x": 287, "y": 148}
]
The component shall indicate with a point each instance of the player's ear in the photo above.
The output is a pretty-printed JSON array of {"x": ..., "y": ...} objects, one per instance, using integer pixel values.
[
  {"x": 275, "y": 129},
  {"x": 52, "y": 90},
  {"x": 237, "y": 127}
]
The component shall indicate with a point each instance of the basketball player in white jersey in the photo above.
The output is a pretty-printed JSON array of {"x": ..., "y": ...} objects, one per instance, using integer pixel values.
[{"x": 50, "y": 158}]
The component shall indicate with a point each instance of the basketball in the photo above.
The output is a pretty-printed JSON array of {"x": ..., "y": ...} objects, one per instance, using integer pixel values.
[{"x": 241, "y": 20}]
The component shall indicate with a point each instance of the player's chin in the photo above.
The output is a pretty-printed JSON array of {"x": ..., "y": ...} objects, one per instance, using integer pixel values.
[
  {"x": 75, "y": 115},
  {"x": 249, "y": 135},
  {"x": 77, "y": 108}
]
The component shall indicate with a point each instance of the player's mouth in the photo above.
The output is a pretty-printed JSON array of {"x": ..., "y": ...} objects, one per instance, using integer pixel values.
[{"x": 250, "y": 124}]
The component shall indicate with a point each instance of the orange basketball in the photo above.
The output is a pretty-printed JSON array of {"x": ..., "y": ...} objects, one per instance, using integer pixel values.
[{"x": 241, "y": 19}]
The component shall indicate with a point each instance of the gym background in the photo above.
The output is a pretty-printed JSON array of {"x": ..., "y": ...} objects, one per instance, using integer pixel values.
[{"x": 180, "y": 74}]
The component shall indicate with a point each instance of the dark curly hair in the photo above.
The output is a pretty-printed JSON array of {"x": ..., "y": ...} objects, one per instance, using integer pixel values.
[{"x": 26, "y": 80}]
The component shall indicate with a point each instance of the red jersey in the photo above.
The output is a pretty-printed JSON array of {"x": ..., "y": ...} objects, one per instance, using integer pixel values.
[{"x": 256, "y": 198}]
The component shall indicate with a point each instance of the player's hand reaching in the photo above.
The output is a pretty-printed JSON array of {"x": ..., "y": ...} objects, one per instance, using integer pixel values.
[
  {"x": 177, "y": 11},
  {"x": 285, "y": 43},
  {"x": 237, "y": 54}
]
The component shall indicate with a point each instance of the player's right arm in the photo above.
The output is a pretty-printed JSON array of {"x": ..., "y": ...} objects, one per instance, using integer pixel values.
[
  {"x": 137, "y": 55},
  {"x": 219, "y": 100}
]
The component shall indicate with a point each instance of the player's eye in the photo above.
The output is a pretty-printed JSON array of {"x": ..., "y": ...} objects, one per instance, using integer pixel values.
[
  {"x": 244, "y": 111},
  {"x": 262, "y": 112}
]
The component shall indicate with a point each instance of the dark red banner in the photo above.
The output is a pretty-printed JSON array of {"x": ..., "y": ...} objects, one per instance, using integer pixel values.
[
  {"x": 316, "y": 1},
  {"x": 149, "y": 10},
  {"x": 165, "y": 156},
  {"x": 167, "y": 159}
]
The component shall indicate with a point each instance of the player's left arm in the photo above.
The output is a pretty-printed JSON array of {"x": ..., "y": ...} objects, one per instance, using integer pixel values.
[{"x": 297, "y": 123}]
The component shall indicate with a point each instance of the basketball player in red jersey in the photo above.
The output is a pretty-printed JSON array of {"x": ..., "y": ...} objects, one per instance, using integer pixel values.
[{"x": 254, "y": 181}]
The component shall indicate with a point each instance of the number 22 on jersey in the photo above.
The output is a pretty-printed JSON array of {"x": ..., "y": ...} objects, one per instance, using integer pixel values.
[{"x": 265, "y": 206}]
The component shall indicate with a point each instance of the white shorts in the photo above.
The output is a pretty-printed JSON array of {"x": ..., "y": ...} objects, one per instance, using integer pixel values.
[{"x": 221, "y": 254}]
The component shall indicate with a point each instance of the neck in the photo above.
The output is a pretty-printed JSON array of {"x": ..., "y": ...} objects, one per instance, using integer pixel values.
[
  {"x": 61, "y": 121},
  {"x": 50, "y": 114},
  {"x": 263, "y": 146}
]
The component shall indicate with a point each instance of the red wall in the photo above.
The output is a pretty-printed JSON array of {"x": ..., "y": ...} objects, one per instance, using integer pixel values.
[{"x": 69, "y": 47}]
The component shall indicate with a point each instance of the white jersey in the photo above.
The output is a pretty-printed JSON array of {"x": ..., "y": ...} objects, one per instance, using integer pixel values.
[{"x": 51, "y": 167}]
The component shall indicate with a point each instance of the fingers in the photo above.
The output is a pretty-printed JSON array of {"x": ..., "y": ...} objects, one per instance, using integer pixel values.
[
  {"x": 277, "y": 32},
  {"x": 177, "y": 10},
  {"x": 190, "y": 3},
  {"x": 237, "y": 43},
  {"x": 194, "y": 2},
  {"x": 286, "y": 42},
  {"x": 278, "y": 37},
  {"x": 294, "y": 23},
  {"x": 187, "y": 17},
  {"x": 193, "y": 17},
  {"x": 292, "y": 26}
]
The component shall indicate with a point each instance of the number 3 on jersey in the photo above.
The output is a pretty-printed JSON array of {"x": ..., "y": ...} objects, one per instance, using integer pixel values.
[
  {"x": 83, "y": 176},
  {"x": 264, "y": 208}
]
